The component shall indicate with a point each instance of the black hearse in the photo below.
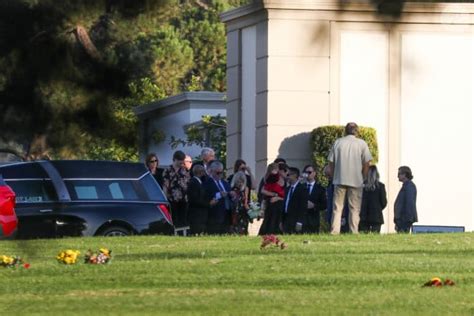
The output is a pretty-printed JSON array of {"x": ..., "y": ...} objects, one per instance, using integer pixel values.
[{"x": 86, "y": 198}]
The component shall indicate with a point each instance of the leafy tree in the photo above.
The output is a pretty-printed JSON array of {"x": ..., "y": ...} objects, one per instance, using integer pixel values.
[
  {"x": 71, "y": 71},
  {"x": 210, "y": 132}
]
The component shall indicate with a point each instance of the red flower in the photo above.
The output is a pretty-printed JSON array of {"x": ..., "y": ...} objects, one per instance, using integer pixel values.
[
  {"x": 26, "y": 265},
  {"x": 272, "y": 240},
  {"x": 449, "y": 282}
]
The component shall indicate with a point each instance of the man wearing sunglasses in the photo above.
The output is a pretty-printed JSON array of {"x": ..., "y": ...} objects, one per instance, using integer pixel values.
[{"x": 316, "y": 200}]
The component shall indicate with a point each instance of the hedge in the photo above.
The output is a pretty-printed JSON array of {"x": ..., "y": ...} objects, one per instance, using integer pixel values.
[{"x": 322, "y": 139}]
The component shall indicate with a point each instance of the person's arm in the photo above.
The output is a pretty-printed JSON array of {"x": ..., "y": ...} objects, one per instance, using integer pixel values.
[
  {"x": 366, "y": 159},
  {"x": 410, "y": 202},
  {"x": 365, "y": 170},
  {"x": 268, "y": 193},
  {"x": 253, "y": 182},
  {"x": 166, "y": 183},
  {"x": 383, "y": 196},
  {"x": 245, "y": 198},
  {"x": 331, "y": 169},
  {"x": 302, "y": 199},
  {"x": 321, "y": 201}
]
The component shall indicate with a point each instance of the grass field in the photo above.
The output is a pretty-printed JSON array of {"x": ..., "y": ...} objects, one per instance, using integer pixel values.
[{"x": 345, "y": 275}]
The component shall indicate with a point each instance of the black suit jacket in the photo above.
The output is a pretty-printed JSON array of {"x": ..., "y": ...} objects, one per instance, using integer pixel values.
[
  {"x": 297, "y": 207},
  {"x": 318, "y": 197},
  {"x": 196, "y": 195},
  {"x": 218, "y": 214},
  {"x": 198, "y": 206}
]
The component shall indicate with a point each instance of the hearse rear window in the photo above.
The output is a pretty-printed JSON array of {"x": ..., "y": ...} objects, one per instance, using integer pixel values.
[
  {"x": 32, "y": 190},
  {"x": 103, "y": 190}
]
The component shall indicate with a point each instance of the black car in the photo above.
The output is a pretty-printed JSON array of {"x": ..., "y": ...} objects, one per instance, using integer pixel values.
[{"x": 86, "y": 198}]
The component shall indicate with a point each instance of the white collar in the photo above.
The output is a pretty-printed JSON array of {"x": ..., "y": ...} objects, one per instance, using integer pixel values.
[{"x": 199, "y": 180}]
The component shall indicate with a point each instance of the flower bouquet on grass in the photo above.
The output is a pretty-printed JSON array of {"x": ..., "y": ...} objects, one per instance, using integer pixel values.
[
  {"x": 103, "y": 256},
  {"x": 272, "y": 241},
  {"x": 13, "y": 262},
  {"x": 437, "y": 282},
  {"x": 68, "y": 256}
]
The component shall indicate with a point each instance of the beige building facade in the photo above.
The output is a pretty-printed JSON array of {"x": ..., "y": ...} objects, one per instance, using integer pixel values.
[{"x": 295, "y": 65}]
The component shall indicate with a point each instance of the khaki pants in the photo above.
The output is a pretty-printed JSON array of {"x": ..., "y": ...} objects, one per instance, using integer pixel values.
[{"x": 354, "y": 197}]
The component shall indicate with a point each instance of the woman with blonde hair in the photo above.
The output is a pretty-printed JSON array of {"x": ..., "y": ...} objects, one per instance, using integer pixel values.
[
  {"x": 239, "y": 196},
  {"x": 374, "y": 201}
]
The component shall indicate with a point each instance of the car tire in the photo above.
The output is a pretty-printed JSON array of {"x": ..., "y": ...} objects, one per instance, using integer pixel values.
[{"x": 115, "y": 231}]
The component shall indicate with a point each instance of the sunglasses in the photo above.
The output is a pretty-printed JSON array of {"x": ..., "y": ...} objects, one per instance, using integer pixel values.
[
  {"x": 219, "y": 172},
  {"x": 153, "y": 161}
]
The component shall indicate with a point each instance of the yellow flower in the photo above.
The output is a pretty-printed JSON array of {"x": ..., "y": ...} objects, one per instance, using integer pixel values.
[
  {"x": 105, "y": 251},
  {"x": 7, "y": 260},
  {"x": 68, "y": 256}
]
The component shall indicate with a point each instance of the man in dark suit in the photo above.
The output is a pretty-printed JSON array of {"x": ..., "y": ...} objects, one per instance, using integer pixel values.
[
  {"x": 218, "y": 197},
  {"x": 296, "y": 202},
  {"x": 198, "y": 205},
  {"x": 316, "y": 200}
]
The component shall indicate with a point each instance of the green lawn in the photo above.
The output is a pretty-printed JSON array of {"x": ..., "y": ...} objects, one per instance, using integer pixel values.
[{"x": 365, "y": 274}]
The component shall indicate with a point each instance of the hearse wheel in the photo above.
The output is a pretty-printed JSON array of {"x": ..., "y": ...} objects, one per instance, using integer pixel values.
[{"x": 116, "y": 231}]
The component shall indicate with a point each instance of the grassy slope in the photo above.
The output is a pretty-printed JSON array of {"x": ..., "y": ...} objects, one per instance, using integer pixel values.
[{"x": 231, "y": 276}]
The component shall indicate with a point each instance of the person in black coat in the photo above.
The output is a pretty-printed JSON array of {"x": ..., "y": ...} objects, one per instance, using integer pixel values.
[
  {"x": 198, "y": 205},
  {"x": 405, "y": 204},
  {"x": 152, "y": 163},
  {"x": 218, "y": 197},
  {"x": 374, "y": 201},
  {"x": 295, "y": 204},
  {"x": 316, "y": 200}
]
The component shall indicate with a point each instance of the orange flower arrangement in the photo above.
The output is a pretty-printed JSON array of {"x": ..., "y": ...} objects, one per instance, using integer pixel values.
[{"x": 437, "y": 282}]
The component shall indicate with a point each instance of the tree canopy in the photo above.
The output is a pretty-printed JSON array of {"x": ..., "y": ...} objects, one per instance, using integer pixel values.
[{"x": 72, "y": 70}]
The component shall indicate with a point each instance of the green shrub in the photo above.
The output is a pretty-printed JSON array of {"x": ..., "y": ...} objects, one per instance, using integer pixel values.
[{"x": 322, "y": 139}]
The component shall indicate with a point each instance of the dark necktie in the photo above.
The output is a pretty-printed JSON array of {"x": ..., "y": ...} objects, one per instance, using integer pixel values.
[
  {"x": 309, "y": 188},
  {"x": 290, "y": 193}
]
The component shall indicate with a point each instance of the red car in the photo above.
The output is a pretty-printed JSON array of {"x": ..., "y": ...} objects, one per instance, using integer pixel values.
[{"x": 8, "y": 220}]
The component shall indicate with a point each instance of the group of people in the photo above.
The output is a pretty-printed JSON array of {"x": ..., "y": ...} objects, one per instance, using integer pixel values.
[
  {"x": 199, "y": 195},
  {"x": 291, "y": 200},
  {"x": 356, "y": 186}
]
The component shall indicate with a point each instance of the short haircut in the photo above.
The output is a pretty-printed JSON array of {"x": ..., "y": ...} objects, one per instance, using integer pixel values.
[
  {"x": 198, "y": 170},
  {"x": 279, "y": 160},
  {"x": 179, "y": 155},
  {"x": 406, "y": 171},
  {"x": 309, "y": 166},
  {"x": 294, "y": 170},
  {"x": 216, "y": 164},
  {"x": 206, "y": 151},
  {"x": 351, "y": 129}
]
